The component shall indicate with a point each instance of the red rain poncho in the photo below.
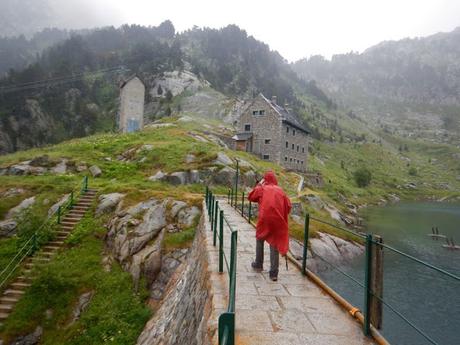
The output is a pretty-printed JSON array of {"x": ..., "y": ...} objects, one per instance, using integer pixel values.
[{"x": 274, "y": 208}]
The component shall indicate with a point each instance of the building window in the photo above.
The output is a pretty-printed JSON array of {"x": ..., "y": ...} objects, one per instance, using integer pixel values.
[
  {"x": 293, "y": 132},
  {"x": 247, "y": 127},
  {"x": 268, "y": 141},
  {"x": 303, "y": 149},
  {"x": 293, "y": 146},
  {"x": 298, "y": 148},
  {"x": 287, "y": 145},
  {"x": 258, "y": 112},
  {"x": 290, "y": 159},
  {"x": 266, "y": 157},
  {"x": 298, "y": 161},
  {"x": 285, "y": 158},
  {"x": 301, "y": 162},
  {"x": 261, "y": 112},
  {"x": 287, "y": 129}
]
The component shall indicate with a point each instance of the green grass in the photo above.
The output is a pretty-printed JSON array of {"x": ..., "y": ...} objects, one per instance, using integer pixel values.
[{"x": 116, "y": 314}]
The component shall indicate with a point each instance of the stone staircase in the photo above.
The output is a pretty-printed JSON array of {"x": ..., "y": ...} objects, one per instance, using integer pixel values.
[{"x": 16, "y": 289}]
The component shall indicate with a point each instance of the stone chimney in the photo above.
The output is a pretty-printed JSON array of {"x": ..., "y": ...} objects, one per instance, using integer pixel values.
[{"x": 274, "y": 99}]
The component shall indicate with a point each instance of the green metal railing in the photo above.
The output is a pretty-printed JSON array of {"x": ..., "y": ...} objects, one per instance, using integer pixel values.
[
  {"x": 226, "y": 324},
  {"x": 373, "y": 244},
  {"x": 40, "y": 235}
]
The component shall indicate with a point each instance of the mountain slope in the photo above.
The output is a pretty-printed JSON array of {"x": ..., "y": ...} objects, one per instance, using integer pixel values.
[{"x": 412, "y": 83}]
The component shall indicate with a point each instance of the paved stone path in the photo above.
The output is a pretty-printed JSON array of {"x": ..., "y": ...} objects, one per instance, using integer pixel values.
[{"x": 292, "y": 311}]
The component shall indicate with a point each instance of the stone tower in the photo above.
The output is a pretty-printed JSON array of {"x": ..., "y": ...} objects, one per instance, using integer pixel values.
[{"x": 132, "y": 94}]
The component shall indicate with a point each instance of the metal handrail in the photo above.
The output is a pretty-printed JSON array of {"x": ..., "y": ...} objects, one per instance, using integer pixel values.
[
  {"x": 226, "y": 324},
  {"x": 32, "y": 247}
]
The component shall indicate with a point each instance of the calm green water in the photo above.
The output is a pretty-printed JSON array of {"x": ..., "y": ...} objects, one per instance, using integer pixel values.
[{"x": 427, "y": 298}]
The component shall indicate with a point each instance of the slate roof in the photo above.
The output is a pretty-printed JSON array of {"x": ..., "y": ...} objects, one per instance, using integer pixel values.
[
  {"x": 242, "y": 136},
  {"x": 285, "y": 115},
  {"x": 123, "y": 84}
]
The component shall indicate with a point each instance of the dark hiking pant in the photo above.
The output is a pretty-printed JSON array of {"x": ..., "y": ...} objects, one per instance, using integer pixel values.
[{"x": 274, "y": 258}]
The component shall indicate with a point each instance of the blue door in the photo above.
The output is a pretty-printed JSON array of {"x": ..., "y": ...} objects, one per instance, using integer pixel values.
[{"x": 132, "y": 125}]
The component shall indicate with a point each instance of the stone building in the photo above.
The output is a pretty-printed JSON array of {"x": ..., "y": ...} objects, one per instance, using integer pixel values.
[
  {"x": 273, "y": 133},
  {"x": 132, "y": 94}
]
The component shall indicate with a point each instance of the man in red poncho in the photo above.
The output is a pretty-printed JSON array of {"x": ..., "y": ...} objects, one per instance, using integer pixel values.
[{"x": 274, "y": 208}]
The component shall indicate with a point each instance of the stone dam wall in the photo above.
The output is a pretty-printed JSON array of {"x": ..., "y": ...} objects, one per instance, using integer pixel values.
[{"x": 182, "y": 317}]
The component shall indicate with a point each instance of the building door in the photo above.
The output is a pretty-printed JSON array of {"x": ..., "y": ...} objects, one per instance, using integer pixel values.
[{"x": 132, "y": 125}]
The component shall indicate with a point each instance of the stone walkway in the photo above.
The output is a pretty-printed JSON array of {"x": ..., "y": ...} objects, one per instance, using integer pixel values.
[{"x": 292, "y": 311}]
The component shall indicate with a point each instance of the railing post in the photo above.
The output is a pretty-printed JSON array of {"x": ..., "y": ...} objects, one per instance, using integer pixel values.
[
  {"x": 232, "y": 287},
  {"x": 211, "y": 210},
  {"x": 216, "y": 215},
  {"x": 34, "y": 242},
  {"x": 242, "y": 204},
  {"x": 249, "y": 212},
  {"x": 367, "y": 285},
  {"x": 59, "y": 215},
  {"x": 221, "y": 241},
  {"x": 71, "y": 199},
  {"x": 376, "y": 307},
  {"x": 206, "y": 195},
  {"x": 231, "y": 197},
  {"x": 85, "y": 184},
  {"x": 305, "y": 243},
  {"x": 236, "y": 181},
  {"x": 214, "y": 228}
]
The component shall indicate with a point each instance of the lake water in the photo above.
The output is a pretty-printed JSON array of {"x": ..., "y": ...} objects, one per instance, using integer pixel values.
[{"x": 430, "y": 300}]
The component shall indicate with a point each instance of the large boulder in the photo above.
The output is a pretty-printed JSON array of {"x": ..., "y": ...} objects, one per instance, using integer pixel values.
[
  {"x": 177, "y": 178},
  {"x": 187, "y": 216},
  {"x": 297, "y": 209},
  {"x": 159, "y": 175},
  {"x": 175, "y": 207},
  {"x": 249, "y": 178},
  {"x": 108, "y": 202},
  {"x": 95, "y": 171},
  {"x": 60, "y": 168},
  {"x": 8, "y": 228},
  {"x": 224, "y": 176},
  {"x": 25, "y": 204},
  {"x": 30, "y": 339},
  {"x": 82, "y": 304},
  {"x": 223, "y": 159}
]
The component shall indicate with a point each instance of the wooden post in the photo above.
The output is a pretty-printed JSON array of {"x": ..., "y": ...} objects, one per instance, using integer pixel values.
[{"x": 376, "y": 306}]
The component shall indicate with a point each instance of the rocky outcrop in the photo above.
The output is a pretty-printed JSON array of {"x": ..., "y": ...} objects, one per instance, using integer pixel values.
[
  {"x": 223, "y": 159},
  {"x": 136, "y": 234},
  {"x": 95, "y": 171},
  {"x": 108, "y": 202},
  {"x": 82, "y": 304},
  {"x": 25, "y": 204},
  {"x": 30, "y": 339},
  {"x": 182, "y": 316},
  {"x": 329, "y": 247},
  {"x": 52, "y": 210},
  {"x": 8, "y": 228}
]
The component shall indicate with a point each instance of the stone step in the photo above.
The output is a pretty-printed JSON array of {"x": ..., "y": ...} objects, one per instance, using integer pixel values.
[
  {"x": 45, "y": 254},
  {"x": 6, "y": 307},
  {"x": 4, "y": 316},
  {"x": 62, "y": 233},
  {"x": 13, "y": 292},
  {"x": 23, "y": 279},
  {"x": 77, "y": 213},
  {"x": 20, "y": 285},
  {"x": 8, "y": 299},
  {"x": 55, "y": 243}
]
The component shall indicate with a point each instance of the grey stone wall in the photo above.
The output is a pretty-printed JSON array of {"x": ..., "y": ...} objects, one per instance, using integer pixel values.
[
  {"x": 300, "y": 141},
  {"x": 182, "y": 317},
  {"x": 267, "y": 126}
]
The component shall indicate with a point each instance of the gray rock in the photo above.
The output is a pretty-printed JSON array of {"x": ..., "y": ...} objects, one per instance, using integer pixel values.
[
  {"x": 61, "y": 202},
  {"x": 95, "y": 171},
  {"x": 224, "y": 176},
  {"x": 13, "y": 192},
  {"x": 83, "y": 303},
  {"x": 314, "y": 201},
  {"x": 146, "y": 147},
  {"x": 81, "y": 167},
  {"x": 244, "y": 164},
  {"x": 60, "y": 168},
  {"x": 157, "y": 177},
  {"x": 30, "y": 339},
  {"x": 108, "y": 202},
  {"x": 299, "y": 220},
  {"x": 249, "y": 178},
  {"x": 190, "y": 158},
  {"x": 8, "y": 228},
  {"x": 223, "y": 159},
  {"x": 297, "y": 209},
  {"x": 24, "y": 168},
  {"x": 176, "y": 206},
  {"x": 194, "y": 176},
  {"x": 25, "y": 204},
  {"x": 187, "y": 216},
  {"x": 177, "y": 178}
]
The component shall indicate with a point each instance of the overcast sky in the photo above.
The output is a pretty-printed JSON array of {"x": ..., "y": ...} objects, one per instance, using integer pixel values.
[{"x": 296, "y": 28}]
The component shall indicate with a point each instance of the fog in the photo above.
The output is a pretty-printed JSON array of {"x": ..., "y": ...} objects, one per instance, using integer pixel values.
[{"x": 295, "y": 28}]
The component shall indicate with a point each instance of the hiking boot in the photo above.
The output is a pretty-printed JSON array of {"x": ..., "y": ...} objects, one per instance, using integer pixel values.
[
  {"x": 256, "y": 267},
  {"x": 273, "y": 276}
]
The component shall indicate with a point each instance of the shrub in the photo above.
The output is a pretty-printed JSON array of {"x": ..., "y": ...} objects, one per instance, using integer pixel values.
[
  {"x": 362, "y": 177},
  {"x": 413, "y": 171}
]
